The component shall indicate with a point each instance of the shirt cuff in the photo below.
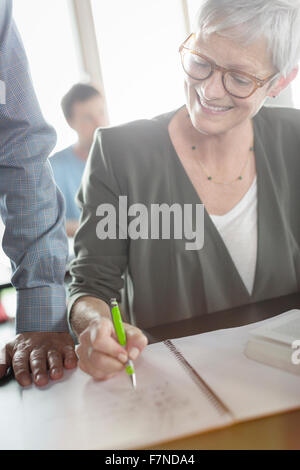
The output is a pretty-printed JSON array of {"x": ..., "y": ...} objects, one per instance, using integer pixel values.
[{"x": 42, "y": 309}]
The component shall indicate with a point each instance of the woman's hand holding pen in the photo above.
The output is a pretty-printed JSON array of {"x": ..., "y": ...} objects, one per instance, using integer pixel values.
[{"x": 99, "y": 352}]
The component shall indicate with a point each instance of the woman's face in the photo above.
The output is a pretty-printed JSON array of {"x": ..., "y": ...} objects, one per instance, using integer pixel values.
[{"x": 214, "y": 111}]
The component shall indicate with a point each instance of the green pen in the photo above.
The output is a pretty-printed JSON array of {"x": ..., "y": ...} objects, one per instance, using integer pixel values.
[{"x": 119, "y": 328}]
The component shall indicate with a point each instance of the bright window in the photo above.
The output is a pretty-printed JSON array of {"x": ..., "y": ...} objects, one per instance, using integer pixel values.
[
  {"x": 47, "y": 32},
  {"x": 138, "y": 45}
]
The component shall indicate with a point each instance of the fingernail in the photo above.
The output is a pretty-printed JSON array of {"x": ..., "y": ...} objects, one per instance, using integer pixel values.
[
  {"x": 56, "y": 372},
  {"x": 93, "y": 334},
  {"x": 130, "y": 332},
  {"x": 133, "y": 354},
  {"x": 122, "y": 357},
  {"x": 145, "y": 339},
  {"x": 41, "y": 380},
  {"x": 70, "y": 363},
  {"x": 26, "y": 381}
]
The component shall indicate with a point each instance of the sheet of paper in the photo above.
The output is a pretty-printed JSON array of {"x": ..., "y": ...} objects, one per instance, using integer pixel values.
[
  {"x": 11, "y": 417},
  {"x": 80, "y": 413},
  {"x": 249, "y": 388}
]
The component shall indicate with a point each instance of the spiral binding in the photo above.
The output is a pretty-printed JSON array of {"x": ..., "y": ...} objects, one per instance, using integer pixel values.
[{"x": 216, "y": 402}]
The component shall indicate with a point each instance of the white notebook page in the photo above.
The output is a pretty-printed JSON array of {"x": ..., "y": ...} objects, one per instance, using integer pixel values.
[
  {"x": 80, "y": 413},
  {"x": 250, "y": 389}
]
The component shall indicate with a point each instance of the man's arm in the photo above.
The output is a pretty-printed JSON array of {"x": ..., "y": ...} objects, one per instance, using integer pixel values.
[{"x": 31, "y": 206}]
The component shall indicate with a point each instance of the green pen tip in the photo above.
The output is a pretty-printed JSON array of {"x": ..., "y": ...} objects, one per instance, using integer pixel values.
[{"x": 133, "y": 381}]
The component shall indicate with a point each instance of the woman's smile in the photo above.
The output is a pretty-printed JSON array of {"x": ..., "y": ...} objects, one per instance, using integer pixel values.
[{"x": 210, "y": 108}]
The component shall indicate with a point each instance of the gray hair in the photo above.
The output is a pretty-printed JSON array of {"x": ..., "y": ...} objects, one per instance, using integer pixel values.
[{"x": 277, "y": 20}]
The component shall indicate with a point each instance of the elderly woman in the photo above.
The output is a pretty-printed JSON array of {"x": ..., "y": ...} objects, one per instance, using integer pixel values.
[{"x": 222, "y": 149}]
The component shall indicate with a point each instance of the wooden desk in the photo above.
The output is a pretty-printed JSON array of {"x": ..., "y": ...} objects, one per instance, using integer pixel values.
[{"x": 276, "y": 432}]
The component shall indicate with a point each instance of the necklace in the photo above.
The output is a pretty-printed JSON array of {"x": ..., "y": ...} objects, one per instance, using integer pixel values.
[{"x": 240, "y": 177}]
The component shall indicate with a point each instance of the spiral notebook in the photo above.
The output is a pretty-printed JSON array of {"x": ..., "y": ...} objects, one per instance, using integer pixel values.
[{"x": 184, "y": 386}]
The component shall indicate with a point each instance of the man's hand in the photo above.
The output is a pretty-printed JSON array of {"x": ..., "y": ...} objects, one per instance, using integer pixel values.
[{"x": 35, "y": 353}]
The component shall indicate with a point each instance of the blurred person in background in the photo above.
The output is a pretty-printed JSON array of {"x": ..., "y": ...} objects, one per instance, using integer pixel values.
[{"x": 84, "y": 109}]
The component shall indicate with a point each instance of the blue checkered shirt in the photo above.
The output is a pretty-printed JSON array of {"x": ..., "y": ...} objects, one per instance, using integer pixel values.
[{"x": 31, "y": 206}]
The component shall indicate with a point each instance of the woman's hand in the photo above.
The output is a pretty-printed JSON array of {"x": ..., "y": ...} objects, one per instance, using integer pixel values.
[{"x": 99, "y": 352}]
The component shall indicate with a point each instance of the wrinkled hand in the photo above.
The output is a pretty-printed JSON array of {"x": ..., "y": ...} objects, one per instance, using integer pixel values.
[
  {"x": 35, "y": 353},
  {"x": 99, "y": 352}
]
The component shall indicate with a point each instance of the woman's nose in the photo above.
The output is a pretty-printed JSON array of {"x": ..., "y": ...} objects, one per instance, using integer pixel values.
[{"x": 212, "y": 88}]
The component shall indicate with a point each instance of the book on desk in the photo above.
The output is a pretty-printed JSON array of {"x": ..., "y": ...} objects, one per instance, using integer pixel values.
[
  {"x": 185, "y": 386},
  {"x": 277, "y": 343}
]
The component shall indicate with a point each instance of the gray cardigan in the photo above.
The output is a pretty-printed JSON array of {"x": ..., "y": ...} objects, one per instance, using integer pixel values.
[{"x": 163, "y": 281}]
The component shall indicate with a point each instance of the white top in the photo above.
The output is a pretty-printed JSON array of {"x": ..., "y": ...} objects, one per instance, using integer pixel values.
[{"x": 238, "y": 229}]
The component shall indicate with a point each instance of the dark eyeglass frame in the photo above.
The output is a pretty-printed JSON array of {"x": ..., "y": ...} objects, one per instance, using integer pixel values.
[{"x": 257, "y": 82}]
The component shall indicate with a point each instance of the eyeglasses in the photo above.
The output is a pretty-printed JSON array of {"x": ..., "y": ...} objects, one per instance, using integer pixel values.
[{"x": 236, "y": 83}]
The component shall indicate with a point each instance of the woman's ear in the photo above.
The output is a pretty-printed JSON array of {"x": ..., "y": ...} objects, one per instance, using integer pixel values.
[{"x": 283, "y": 82}]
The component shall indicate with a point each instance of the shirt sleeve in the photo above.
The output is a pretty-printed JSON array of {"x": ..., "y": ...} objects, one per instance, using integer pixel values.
[
  {"x": 31, "y": 205},
  {"x": 99, "y": 263}
]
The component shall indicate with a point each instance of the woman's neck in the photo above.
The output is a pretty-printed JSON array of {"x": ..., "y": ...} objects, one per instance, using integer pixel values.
[{"x": 222, "y": 149}]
